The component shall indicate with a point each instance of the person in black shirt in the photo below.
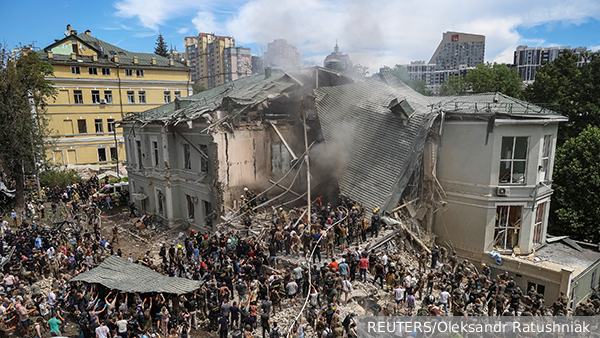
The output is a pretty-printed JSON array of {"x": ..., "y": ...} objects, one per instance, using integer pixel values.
[
  {"x": 223, "y": 327},
  {"x": 235, "y": 314},
  {"x": 265, "y": 323}
]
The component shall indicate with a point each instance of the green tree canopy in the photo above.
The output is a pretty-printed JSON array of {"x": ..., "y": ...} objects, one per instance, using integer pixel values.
[
  {"x": 24, "y": 92},
  {"x": 60, "y": 178},
  {"x": 571, "y": 90},
  {"x": 161, "y": 46},
  {"x": 485, "y": 78},
  {"x": 577, "y": 187},
  {"x": 401, "y": 73}
]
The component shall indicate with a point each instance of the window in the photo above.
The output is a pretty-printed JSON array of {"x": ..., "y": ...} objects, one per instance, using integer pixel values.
[
  {"x": 539, "y": 288},
  {"x": 75, "y": 70},
  {"x": 155, "y": 153},
  {"x": 177, "y": 94},
  {"x": 108, "y": 96},
  {"x": 187, "y": 163},
  {"x": 98, "y": 125},
  {"x": 207, "y": 213},
  {"x": 138, "y": 145},
  {"x": 130, "y": 97},
  {"x": 114, "y": 154},
  {"x": 167, "y": 97},
  {"x": 513, "y": 159},
  {"x": 111, "y": 125},
  {"x": 139, "y": 72},
  {"x": 159, "y": 202},
  {"x": 190, "y": 207},
  {"x": 128, "y": 72},
  {"x": 77, "y": 97},
  {"x": 538, "y": 227},
  {"x": 81, "y": 126},
  {"x": 544, "y": 173},
  {"x": 142, "y": 96},
  {"x": 93, "y": 70},
  {"x": 101, "y": 155},
  {"x": 95, "y": 96},
  {"x": 203, "y": 160},
  {"x": 508, "y": 222},
  {"x": 106, "y": 71}
]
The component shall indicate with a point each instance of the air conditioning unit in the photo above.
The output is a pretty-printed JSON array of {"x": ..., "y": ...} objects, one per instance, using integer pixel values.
[
  {"x": 102, "y": 101},
  {"x": 502, "y": 191}
]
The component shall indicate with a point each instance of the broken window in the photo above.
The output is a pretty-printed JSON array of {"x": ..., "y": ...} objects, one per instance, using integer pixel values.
[
  {"x": 98, "y": 125},
  {"x": 167, "y": 97},
  {"x": 207, "y": 213},
  {"x": 130, "y": 97},
  {"x": 544, "y": 169},
  {"x": 508, "y": 223},
  {"x": 203, "y": 160},
  {"x": 538, "y": 227},
  {"x": 280, "y": 159},
  {"x": 187, "y": 163},
  {"x": 108, "y": 96},
  {"x": 101, "y": 155},
  {"x": 81, "y": 126},
  {"x": 139, "y": 153},
  {"x": 75, "y": 70},
  {"x": 159, "y": 202},
  {"x": 539, "y": 288},
  {"x": 128, "y": 72},
  {"x": 513, "y": 160},
  {"x": 190, "y": 207},
  {"x": 142, "y": 96},
  {"x": 114, "y": 154},
  {"x": 95, "y": 96},
  {"x": 139, "y": 72},
  {"x": 111, "y": 125},
  {"x": 93, "y": 70},
  {"x": 106, "y": 71},
  {"x": 155, "y": 153}
]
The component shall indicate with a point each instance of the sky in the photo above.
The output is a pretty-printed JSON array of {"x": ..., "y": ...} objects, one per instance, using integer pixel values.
[{"x": 373, "y": 32}]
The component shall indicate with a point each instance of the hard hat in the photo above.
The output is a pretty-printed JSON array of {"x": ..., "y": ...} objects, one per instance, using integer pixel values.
[
  {"x": 242, "y": 196},
  {"x": 482, "y": 264},
  {"x": 192, "y": 231},
  {"x": 179, "y": 246},
  {"x": 280, "y": 208},
  {"x": 353, "y": 207},
  {"x": 245, "y": 189}
]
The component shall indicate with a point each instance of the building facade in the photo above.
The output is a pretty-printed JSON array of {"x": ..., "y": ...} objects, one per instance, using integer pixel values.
[
  {"x": 215, "y": 60},
  {"x": 280, "y": 54},
  {"x": 527, "y": 60},
  {"x": 98, "y": 84},
  {"x": 456, "y": 54},
  {"x": 257, "y": 64}
]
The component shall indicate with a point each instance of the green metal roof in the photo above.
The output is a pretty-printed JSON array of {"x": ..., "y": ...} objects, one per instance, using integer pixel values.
[{"x": 110, "y": 51}]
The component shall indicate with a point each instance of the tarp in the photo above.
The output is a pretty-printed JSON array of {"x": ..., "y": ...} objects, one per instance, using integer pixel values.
[{"x": 119, "y": 274}]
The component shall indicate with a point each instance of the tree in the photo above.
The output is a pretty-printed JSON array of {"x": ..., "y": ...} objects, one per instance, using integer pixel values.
[
  {"x": 571, "y": 90},
  {"x": 161, "y": 46},
  {"x": 60, "y": 178},
  {"x": 401, "y": 74},
  {"x": 24, "y": 92},
  {"x": 575, "y": 210},
  {"x": 485, "y": 78},
  {"x": 198, "y": 87}
]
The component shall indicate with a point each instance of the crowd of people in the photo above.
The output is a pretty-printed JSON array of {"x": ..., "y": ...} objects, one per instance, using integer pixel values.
[{"x": 244, "y": 281}]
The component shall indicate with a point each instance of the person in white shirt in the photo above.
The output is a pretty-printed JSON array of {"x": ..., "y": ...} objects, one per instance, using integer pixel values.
[
  {"x": 346, "y": 289},
  {"x": 399, "y": 294},
  {"x": 292, "y": 288},
  {"x": 444, "y": 296},
  {"x": 50, "y": 252},
  {"x": 384, "y": 258},
  {"x": 51, "y": 298}
]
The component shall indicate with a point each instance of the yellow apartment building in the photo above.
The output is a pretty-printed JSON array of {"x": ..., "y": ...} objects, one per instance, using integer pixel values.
[{"x": 98, "y": 85}]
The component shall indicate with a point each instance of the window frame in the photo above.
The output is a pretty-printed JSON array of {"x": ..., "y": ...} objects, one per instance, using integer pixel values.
[
  {"x": 498, "y": 227},
  {"x": 139, "y": 73},
  {"x": 139, "y": 153},
  {"x": 130, "y": 97},
  {"x": 110, "y": 150},
  {"x": 538, "y": 224},
  {"x": 187, "y": 156},
  {"x": 110, "y": 125},
  {"x": 77, "y": 96},
  {"x": 105, "y": 71},
  {"x": 75, "y": 70},
  {"x": 203, "y": 161},
  {"x": 128, "y": 72},
  {"x": 108, "y": 96},
  {"x": 142, "y": 96},
  {"x": 79, "y": 126},
  {"x": 105, "y": 155},
  {"x": 545, "y": 158},
  {"x": 99, "y": 126},
  {"x": 93, "y": 70},
  {"x": 177, "y": 93},
  {"x": 167, "y": 96},
  {"x": 96, "y": 96},
  {"x": 512, "y": 161},
  {"x": 155, "y": 152},
  {"x": 191, "y": 210}
]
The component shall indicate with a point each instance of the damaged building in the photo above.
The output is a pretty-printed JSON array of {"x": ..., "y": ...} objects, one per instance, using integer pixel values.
[{"x": 473, "y": 173}]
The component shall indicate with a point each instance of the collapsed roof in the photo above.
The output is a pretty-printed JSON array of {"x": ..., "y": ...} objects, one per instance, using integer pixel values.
[
  {"x": 375, "y": 131},
  {"x": 119, "y": 274}
]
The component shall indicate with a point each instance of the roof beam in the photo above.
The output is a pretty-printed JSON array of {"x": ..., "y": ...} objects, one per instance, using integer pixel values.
[{"x": 294, "y": 157}]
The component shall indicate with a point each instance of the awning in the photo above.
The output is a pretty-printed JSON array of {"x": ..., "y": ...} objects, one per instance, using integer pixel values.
[
  {"x": 119, "y": 274},
  {"x": 139, "y": 197}
]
